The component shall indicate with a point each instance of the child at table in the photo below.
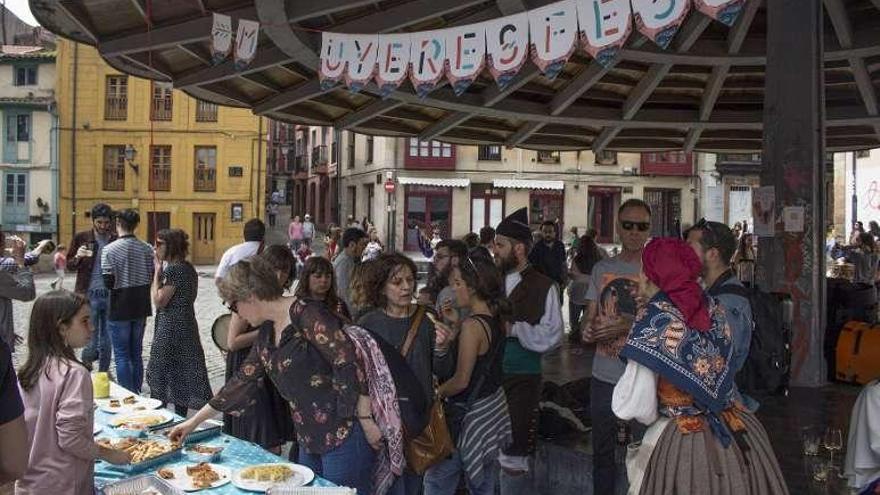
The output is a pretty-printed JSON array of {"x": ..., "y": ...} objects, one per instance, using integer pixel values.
[{"x": 57, "y": 393}]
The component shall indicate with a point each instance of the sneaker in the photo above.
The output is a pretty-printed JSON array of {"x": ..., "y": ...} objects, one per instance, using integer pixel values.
[{"x": 52, "y": 285}]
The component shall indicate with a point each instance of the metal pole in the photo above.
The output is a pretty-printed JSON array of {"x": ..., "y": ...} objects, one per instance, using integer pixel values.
[
  {"x": 855, "y": 197},
  {"x": 337, "y": 138}
]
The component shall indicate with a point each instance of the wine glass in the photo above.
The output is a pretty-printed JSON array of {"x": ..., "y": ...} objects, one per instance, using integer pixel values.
[{"x": 833, "y": 441}]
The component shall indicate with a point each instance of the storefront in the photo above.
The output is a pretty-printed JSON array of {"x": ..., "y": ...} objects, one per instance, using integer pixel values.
[
  {"x": 427, "y": 206},
  {"x": 487, "y": 206}
]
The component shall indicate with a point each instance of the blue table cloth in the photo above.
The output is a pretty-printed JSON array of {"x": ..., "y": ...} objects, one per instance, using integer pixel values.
[{"x": 236, "y": 454}]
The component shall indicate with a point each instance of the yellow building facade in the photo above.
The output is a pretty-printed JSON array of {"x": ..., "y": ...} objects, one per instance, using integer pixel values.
[{"x": 133, "y": 143}]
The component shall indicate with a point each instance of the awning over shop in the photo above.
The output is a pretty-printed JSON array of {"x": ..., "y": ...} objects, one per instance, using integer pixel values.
[
  {"x": 433, "y": 181},
  {"x": 557, "y": 185}
]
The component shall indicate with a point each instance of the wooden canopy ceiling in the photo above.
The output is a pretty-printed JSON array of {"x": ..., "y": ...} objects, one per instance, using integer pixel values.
[{"x": 704, "y": 93}]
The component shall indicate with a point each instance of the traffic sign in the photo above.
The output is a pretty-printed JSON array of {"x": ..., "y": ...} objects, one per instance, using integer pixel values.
[{"x": 389, "y": 186}]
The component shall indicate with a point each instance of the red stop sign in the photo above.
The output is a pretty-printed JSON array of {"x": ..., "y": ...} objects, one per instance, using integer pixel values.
[{"x": 389, "y": 186}]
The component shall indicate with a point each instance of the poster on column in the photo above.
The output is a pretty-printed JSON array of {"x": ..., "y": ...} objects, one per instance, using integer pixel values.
[
  {"x": 553, "y": 31},
  {"x": 360, "y": 62},
  {"x": 659, "y": 20},
  {"x": 332, "y": 58},
  {"x": 507, "y": 46},
  {"x": 427, "y": 58},
  {"x": 605, "y": 26},
  {"x": 393, "y": 62},
  {"x": 465, "y": 55},
  {"x": 723, "y": 11},
  {"x": 764, "y": 211}
]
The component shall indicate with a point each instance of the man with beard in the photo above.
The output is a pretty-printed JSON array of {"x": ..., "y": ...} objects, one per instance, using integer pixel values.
[
  {"x": 84, "y": 256},
  {"x": 447, "y": 255},
  {"x": 611, "y": 309},
  {"x": 548, "y": 256},
  {"x": 536, "y": 327},
  {"x": 715, "y": 244}
]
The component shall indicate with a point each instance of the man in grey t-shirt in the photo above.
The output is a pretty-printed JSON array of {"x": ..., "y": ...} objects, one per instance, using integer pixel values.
[
  {"x": 353, "y": 241},
  {"x": 611, "y": 309}
]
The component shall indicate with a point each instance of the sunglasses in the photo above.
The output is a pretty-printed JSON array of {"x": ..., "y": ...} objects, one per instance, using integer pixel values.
[
  {"x": 641, "y": 226},
  {"x": 232, "y": 306}
]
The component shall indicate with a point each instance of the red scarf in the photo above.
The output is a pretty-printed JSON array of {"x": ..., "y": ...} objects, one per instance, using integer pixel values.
[{"x": 673, "y": 266}]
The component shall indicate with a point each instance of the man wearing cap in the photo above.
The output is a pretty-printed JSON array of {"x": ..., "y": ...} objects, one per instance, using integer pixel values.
[
  {"x": 84, "y": 256},
  {"x": 308, "y": 230},
  {"x": 536, "y": 327}
]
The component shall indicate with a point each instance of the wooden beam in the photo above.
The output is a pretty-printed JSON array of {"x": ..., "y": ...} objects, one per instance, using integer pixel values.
[
  {"x": 690, "y": 141},
  {"x": 837, "y": 14},
  {"x": 142, "y": 10},
  {"x": 577, "y": 87},
  {"x": 523, "y": 133},
  {"x": 713, "y": 90},
  {"x": 155, "y": 66},
  {"x": 195, "y": 53},
  {"x": 80, "y": 18},
  {"x": 403, "y": 15},
  {"x": 510, "y": 7},
  {"x": 294, "y": 43},
  {"x": 865, "y": 85},
  {"x": 366, "y": 113},
  {"x": 604, "y": 138},
  {"x": 738, "y": 32},
  {"x": 262, "y": 81},
  {"x": 227, "y": 70},
  {"x": 301, "y": 11},
  {"x": 299, "y": 94}
]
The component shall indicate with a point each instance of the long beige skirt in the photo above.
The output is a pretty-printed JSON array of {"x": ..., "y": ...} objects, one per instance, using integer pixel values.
[{"x": 697, "y": 463}]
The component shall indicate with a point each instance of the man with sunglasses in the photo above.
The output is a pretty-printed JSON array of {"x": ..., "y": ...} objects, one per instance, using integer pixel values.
[{"x": 611, "y": 309}]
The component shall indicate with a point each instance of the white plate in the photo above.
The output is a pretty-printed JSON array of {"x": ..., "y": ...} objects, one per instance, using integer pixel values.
[
  {"x": 301, "y": 476},
  {"x": 183, "y": 481},
  {"x": 166, "y": 417},
  {"x": 146, "y": 403}
]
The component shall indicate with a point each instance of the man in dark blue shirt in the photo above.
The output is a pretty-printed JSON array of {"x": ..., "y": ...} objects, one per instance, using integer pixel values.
[{"x": 548, "y": 256}]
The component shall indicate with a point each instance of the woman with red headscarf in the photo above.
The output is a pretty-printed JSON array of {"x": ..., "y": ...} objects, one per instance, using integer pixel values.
[{"x": 679, "y": 381}]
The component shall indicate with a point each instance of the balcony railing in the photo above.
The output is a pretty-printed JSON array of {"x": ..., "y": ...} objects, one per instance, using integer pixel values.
[
  {"x": 206, "y": 112},
  {"x": 116, "y": 108},
  {"x": 490, "y": 153},
  {"x": 739, "y": 158},
  {"x": 319, "y": 156},
  {"x": 160, "y": 178},
  {"x": 548, "y": 157},
  {"x": 161, "y": 109},
  {"x": 114, "y": 178},
  {"x": 206, "y": 179}
]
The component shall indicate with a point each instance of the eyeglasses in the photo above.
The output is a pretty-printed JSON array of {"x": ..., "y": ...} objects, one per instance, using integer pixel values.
[
  {"x": 232, "y": 306},
  {"x": 641, "y": 226}
]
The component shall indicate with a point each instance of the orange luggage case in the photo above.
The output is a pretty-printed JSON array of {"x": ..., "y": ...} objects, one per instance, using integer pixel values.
[{"x": 858, "y": 353}]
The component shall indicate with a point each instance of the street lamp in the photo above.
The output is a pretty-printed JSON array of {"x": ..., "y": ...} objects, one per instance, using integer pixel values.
[{"x": 130, "y": 155}]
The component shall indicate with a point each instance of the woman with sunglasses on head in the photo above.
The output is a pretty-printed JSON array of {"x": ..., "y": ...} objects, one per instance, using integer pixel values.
[
  {"x": 317, "y": 281},
  {"x": 302, "y": 348},
  {"x": 678, "y": 380},
  {"x": 474, "y": 401},
  {"x": 176, "y": 372},
  {"x": 268, "y": 423}
]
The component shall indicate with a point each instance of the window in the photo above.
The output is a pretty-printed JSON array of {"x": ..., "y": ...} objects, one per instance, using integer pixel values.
[
  {"x": 370, "y": 149},
  {"x": 18, "y": 128},
  {"x": 160, "y": 108},
  {"x": 206, "y": 169},
  {"x": 610, "y": 157},
  {"x": 432, "y": 149},
  {"x": 160, "y": 168},
  {"x": 489, "y": 153},
  {"x": 114, "y": 168},
  {"x": 351, "y": 148},
  {"x": 116, "y": 98},
  {"x": 334, "y": 149},
  {"x": 206, "y": 112},
  {"x": 16, "y": 189},
  {"x": 352, "y": 201},
  {"x": 548, "y": 157},
  {"x": 25, "y": 76}
]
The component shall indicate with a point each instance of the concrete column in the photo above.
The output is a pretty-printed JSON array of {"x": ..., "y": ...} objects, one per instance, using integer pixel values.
[{"x": 794, "y": 164}]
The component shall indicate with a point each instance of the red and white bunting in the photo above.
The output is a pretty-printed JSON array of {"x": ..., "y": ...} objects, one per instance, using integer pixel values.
[
  {"x": 221, "y": 38},
  {"x": 507, "y": 46},
  {"x": 465, "y": 55},
  {"x": 246, "y": 39},
  {"x": 393, "y": 58},
  {"x": 553, "y": 31},
  {"x": 723, "y": 11},
  {"x": 605, "y": 26},
  {"x": 427, "y": 59},
  {"x": 361, "y": 57},
  {"x": 659, "y": 20}
]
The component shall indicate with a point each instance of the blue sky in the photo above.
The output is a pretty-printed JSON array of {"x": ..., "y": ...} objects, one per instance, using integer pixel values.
[{"x": 22, "y": 10}]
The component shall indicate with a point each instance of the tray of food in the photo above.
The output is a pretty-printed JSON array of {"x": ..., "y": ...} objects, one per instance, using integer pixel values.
[
  {"x": 127, "y": 404},
  {"x": 199, "y": 452},
  {"x": 261, "y": 477},
  {"x": 194, "y": 477},
  {"x": 140, "y": 485},
  {"x": 207, "y": 429},
  {"x": 145, "y": 453}
]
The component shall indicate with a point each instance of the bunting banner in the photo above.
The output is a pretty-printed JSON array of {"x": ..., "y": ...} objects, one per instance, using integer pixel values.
[
  {"x": 659, "y": 20},
  {"x": 221, "y": 38},
  {"x": 605, "y": 26},
  {"x": 724, "y": 11},
  {"x": 547, "y": 35},
  {"x": 246, "y": 42}
]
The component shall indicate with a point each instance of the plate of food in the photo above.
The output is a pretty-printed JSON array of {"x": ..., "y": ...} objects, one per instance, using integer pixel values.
[
  {"x": 203, "y": 452},
  {"x": 141, "y": 420},
  {"x": 261, "y": 477},
  {"x": 128, "y": 404},
  {"x": 143, "y": 452},
  {"x": 195, "y": 477}
]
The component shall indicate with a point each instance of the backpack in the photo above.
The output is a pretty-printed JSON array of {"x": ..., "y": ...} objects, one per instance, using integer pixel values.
[{"x": 768, "y": 365}]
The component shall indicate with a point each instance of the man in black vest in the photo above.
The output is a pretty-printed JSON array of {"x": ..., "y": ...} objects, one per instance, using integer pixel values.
[{"x": 536, "y": 328}]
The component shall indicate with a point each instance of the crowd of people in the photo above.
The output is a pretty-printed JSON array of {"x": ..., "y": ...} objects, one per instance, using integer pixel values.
[{"x": 344, "y": 355}]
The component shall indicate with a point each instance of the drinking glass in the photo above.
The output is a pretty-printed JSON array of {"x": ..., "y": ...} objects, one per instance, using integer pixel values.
[{"x": 833, "y": 442}]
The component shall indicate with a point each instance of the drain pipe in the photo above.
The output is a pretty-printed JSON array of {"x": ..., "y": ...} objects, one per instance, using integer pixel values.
[
  {"x": 260, "y": 193},
  {"x": 73, "y": 141}
]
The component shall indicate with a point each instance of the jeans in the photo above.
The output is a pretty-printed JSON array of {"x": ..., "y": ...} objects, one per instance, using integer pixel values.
[
  {"x": 99, "y": 347},
  {"x": 128, "y": 344},
  {"x": 443, "y": 478},
  {"x": 522, "y": 483},
  {"x": 350, "y": 464},
  {"x": 408, "y": 484}
]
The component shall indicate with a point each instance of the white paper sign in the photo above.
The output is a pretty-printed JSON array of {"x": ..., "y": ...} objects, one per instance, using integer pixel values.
[
  {"x": 507, "y": 46},
  {"x": 553, "y": 30},
  {"x": 333, "y": 58},
  {"x": 793, "y": 217},
  {"x": 393, "y": 57},
  {"x": 659, "y": 20},
  {"x": 465, "y": 55},
  {"x": 764, "y": 211},
  {"x": 360, "y": 60},
  {"x": 426, "y": 59},
  {"x": 221, "y": 38},
  {"x": 723, "y": 11},
  {"x": 604, "y": 26},
  {"x": 246, "y": 42}
]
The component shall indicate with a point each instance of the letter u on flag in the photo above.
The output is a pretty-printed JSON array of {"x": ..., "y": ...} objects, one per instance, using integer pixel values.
[
  {"x": 221, "y": 38},
  {"x": 246, "y": 42},
  {"x": 333, "y": 58},
  {"x": 553, "y": 32}
]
